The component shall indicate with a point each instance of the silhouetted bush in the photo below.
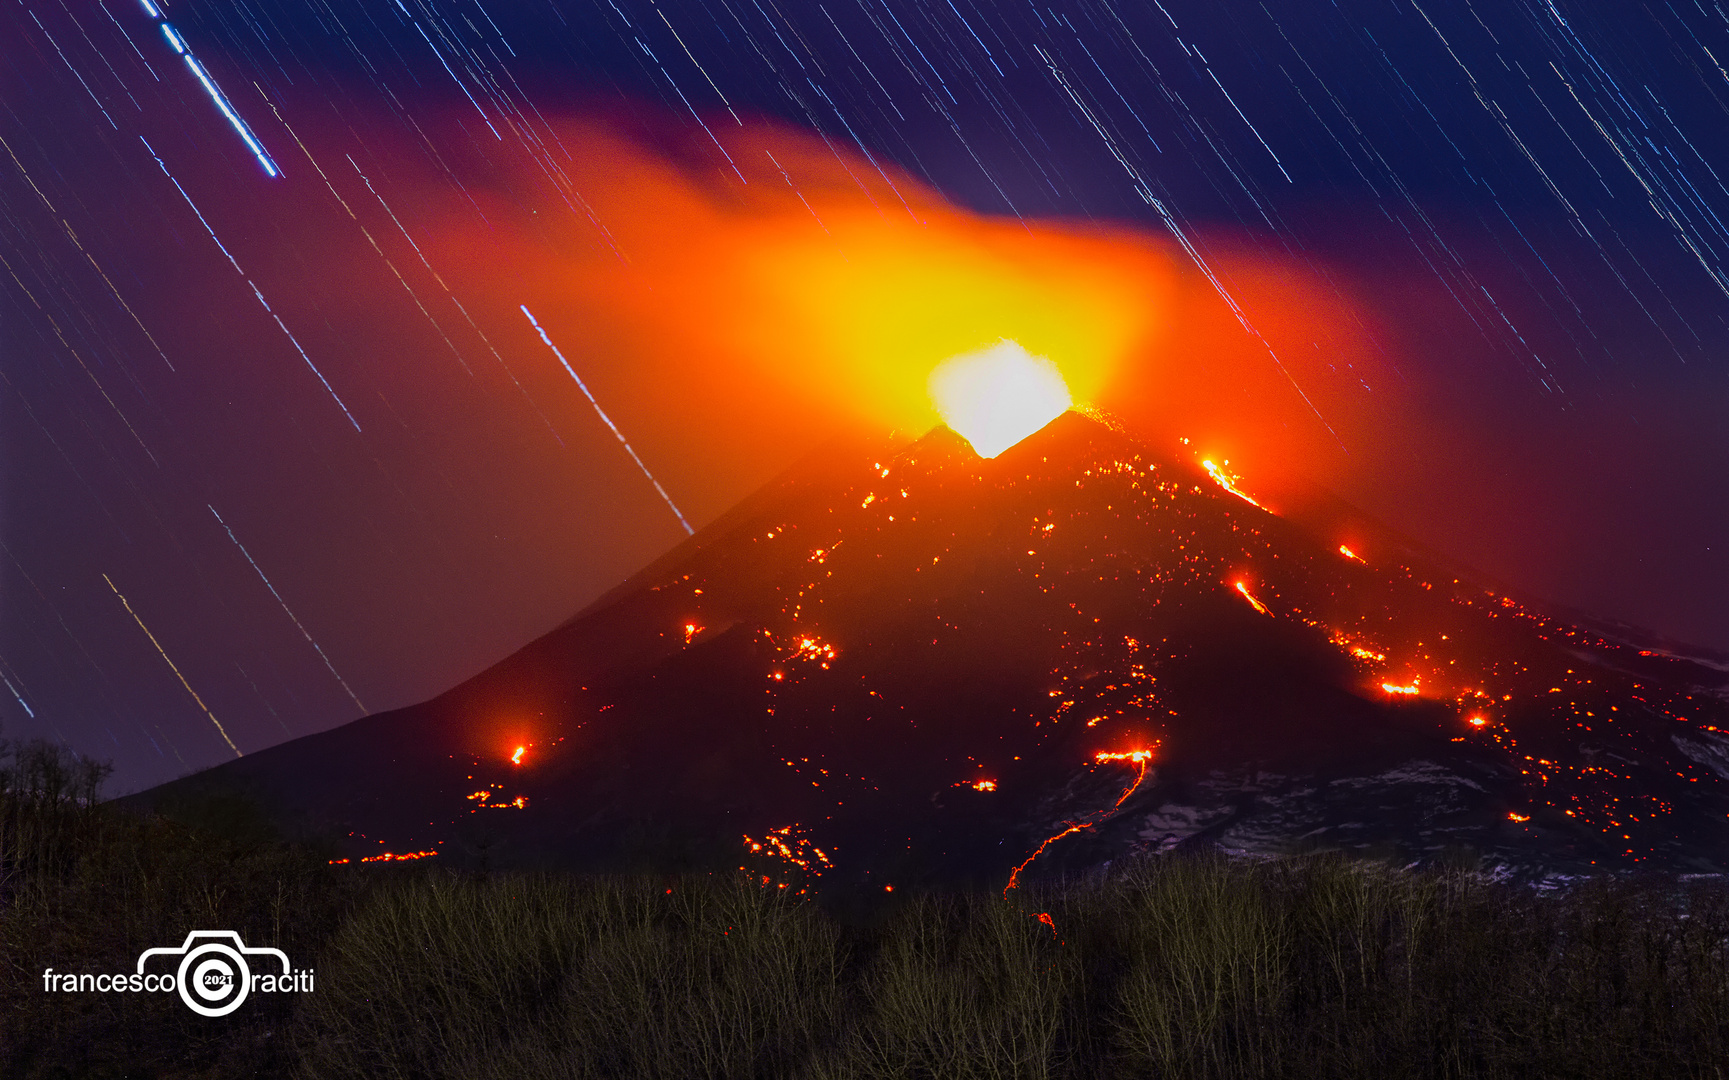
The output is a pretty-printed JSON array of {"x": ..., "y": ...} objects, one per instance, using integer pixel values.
[{"x": 86, "y": 887}]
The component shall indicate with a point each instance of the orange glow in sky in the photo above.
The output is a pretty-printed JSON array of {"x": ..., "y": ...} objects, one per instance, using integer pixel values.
[
  {"x": 726, "y": 324},
  {"x": 779, "y": 309}
]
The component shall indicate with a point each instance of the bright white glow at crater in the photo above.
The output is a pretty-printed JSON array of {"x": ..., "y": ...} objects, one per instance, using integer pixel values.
[{"x": 996, "y": 397}]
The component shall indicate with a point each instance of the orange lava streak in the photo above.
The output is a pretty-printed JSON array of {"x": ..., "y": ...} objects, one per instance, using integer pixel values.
[
  {"x": 389, "y": 857},
  {"x": 1140, "y": 759},
  {"x": 1137, "y": 756},
  {"x": 1258, "y": 606},
  {"x": 1014, "y": 875},
  {"x": 1393, "y": 688},
  {"x": 1228, "y": 482},
  {"x": 516, "y": 758},
  {"x": 1349, "y": 554}
]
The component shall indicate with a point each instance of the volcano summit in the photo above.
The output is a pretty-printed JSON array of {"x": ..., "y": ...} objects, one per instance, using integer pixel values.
[{"x": 922, "y": 667}]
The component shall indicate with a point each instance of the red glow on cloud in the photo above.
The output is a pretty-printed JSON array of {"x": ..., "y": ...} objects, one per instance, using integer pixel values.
[{"x": 824, "y": 291}]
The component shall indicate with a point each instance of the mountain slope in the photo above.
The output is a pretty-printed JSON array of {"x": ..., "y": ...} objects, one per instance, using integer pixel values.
[{"x": 885, "y": 670}]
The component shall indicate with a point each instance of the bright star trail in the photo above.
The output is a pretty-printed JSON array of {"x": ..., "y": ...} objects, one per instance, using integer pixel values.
[
  {"x": 255, "y": 291},
  {"x": 285, "y": 610},
  {"x": 600, "y": 412},
  {"x": 220, "y": 730},
  {"x": 1463, "y": 266},
  {"x": 178, "y": 44}
]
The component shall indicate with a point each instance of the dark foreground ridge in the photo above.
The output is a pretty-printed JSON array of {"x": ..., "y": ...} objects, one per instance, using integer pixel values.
[
  {"x": 1201, "y": 968},
  {"x": 902, "y": 669}
]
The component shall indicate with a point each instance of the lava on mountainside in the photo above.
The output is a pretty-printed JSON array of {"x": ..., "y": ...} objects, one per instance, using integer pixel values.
[{"x": 920, "y": 666}]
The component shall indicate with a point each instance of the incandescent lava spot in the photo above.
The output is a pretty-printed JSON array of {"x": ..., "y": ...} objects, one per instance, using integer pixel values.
[{"x": 996, "y": 397}]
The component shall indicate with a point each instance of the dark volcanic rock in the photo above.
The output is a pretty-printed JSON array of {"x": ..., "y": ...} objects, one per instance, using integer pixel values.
[{"x": 842, "y": 661}]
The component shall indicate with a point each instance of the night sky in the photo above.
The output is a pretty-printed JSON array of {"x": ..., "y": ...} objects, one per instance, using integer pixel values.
[{"x": 281, "y": 440}]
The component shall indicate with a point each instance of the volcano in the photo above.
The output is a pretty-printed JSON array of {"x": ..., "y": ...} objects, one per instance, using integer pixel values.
[{"x": 920, "y": 667}]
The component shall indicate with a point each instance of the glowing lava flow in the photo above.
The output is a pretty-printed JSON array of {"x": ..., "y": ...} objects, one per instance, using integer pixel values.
[
  {"x": 1140, "y": 759},
  {"x": 809, "y": 648},
  {"x": 1228, "y": 482},
  {"x": 389, "y": 857},
  {"x": 480, "y": 799},
  {"x": 787, "y": 845},
  {"x": 1349, "y": 554},
  {"x": 996, "y": 397},
  {"x": 516, "y": 758},
  {"x": 1393, "y": 688},
  {"x": 1258, "y": 606}
]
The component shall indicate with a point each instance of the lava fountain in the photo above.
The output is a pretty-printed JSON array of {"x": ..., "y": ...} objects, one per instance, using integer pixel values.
[{"x": 997, "y": 396}]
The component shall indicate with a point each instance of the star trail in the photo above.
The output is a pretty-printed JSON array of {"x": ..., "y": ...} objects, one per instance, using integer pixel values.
[{"x": 1465, "y": 265}]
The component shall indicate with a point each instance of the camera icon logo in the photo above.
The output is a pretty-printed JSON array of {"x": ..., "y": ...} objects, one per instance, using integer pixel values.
[{"x": 213, "y": 977}]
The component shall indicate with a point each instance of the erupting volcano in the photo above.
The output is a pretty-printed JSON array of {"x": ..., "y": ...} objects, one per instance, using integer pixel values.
[
  {"x": 998, "y": 396},
  {"x": 917, "y": 664}
]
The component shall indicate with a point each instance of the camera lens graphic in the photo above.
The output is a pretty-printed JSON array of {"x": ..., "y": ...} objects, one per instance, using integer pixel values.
[{"x": 213, "y": 980}]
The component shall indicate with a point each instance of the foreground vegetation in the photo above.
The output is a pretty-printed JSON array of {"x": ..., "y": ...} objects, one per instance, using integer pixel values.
[
  {"x": 1317, "y": 968},
  {"x": 1312, "y": 967},
  {"x": 86, "y": 888}
]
